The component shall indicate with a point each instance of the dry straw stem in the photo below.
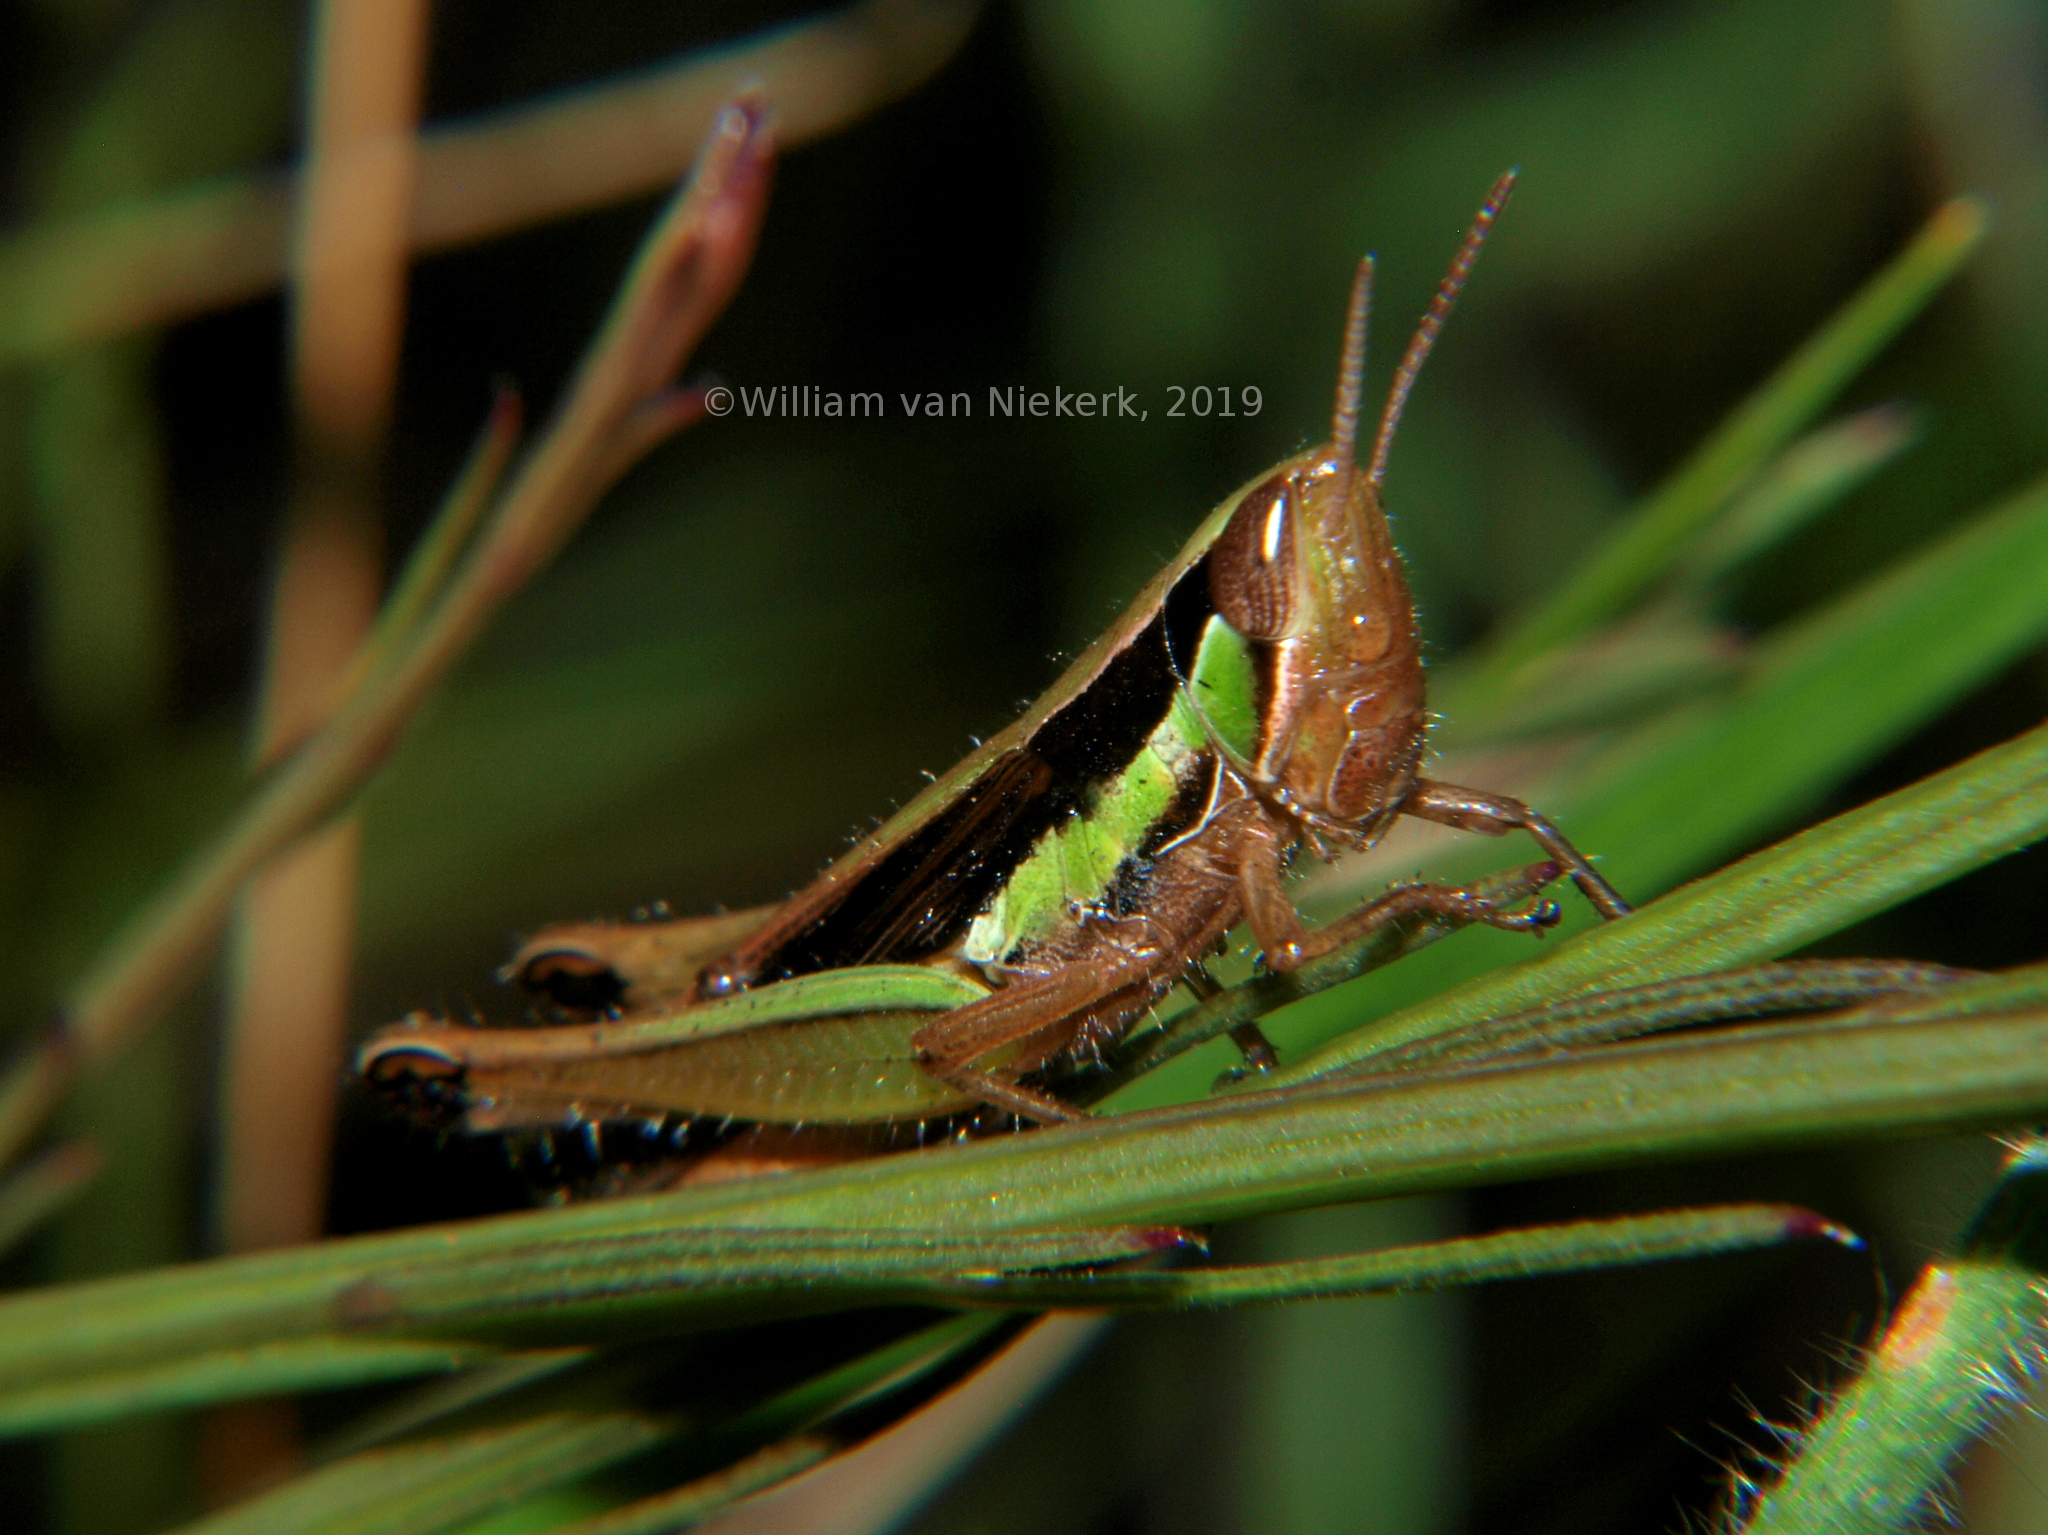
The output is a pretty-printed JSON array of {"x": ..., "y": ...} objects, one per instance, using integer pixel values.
[
  {"x": 619, "y": 405},
  {"x": 153, "y": 261},
  {"x": 293, "y": 943}
]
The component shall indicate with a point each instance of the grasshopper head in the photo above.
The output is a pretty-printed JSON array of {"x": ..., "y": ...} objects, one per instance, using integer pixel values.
[{"x": 1306, "y": 569}]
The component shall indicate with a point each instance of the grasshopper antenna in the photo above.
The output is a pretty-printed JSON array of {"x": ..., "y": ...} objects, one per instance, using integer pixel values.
[
  {"x": 1351, "y": 370},
  {"x": 1432, "y": 325}
]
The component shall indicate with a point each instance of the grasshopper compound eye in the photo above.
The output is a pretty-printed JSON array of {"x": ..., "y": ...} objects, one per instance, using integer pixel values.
[{"x": 575, "y": 980}]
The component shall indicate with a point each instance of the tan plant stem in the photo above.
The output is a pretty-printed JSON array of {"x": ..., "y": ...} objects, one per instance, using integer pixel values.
[
  {"x": 150, "y": 261},
  {"x": 292, "y": 946},
  {"x": 686, "y": 273},
  {"x": 292, "y": 950}
]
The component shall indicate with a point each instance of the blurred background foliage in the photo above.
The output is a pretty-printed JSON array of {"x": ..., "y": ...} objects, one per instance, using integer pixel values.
[{"x": 774, "y": 625}]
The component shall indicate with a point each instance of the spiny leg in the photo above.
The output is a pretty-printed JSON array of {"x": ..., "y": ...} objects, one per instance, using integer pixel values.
[
  {"x": 1289, "y": 945},
  {"x": 949, "y": 1046},
  {"x": 1249, "y": 1038},
  {"x": 1495, "y": 815}
]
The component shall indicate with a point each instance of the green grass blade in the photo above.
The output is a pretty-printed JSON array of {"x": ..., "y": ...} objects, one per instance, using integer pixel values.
[
  {"x": 1670, "y": 650},
  {"x": 1566, "y": 1248},
  {"x": 212, "y": 1332},
  {"x": 317, "y": 1363},
  {"x": 566, "y": 1431},
  {"x": 1742, "y": 1090},
  {"x": 1630, "y": 1012},
  {"x": 1642, "y": 550},
  {"x": 1271, "y": 1150},
  {"x": 1805, "y": 480},
  {"x": 1826, "y": 695},
  {"x": 420, "y": 1487},
  {"x": 772, "y": 1440},
  {"x": 436, "y": 1400},
  {"x": 1961, "y": 1352},
  {"x": 1723, "y": 1094}
]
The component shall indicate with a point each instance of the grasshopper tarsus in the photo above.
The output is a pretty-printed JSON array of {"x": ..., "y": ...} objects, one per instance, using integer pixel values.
[{"x": 1259, "y": 1055}]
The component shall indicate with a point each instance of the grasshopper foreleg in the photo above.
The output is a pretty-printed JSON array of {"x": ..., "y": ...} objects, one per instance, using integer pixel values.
[
  {"x": 1289, "y": 945},
  {"x": 1495, "y": 815}
]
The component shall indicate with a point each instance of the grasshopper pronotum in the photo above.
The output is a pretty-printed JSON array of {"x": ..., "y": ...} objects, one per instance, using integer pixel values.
[{"x": 1263, "y": 694}]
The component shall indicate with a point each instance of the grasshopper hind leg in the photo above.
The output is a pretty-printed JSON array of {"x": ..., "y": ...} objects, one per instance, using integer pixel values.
[{"x": 1038, "y": 1018}]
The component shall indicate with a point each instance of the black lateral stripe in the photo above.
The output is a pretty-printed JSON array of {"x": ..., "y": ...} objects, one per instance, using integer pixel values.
[
  {"x": 1187, "y": 611},
  {"x": 925, "y": 893}
]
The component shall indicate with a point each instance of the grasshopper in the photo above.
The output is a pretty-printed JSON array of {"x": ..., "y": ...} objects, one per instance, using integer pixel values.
[{"x": 1262, "y": 696}]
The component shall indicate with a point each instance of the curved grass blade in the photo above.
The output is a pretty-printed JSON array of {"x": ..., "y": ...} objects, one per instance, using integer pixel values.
[
  {"x": 269, "y": 1369},
  {"x": 1730, "y": 1092},
  {"x": 1737, "y": 1089},
  {"x": 420, "y": 1487},
  {"x": 1567, "y": 1248},
  {"x": 690, "y": 1504},
  {"x": 1669, "y": 651},
  {"x": 585, "y": 1292},
  {"x": 1734, "y": 1091},
  {"x": 1805, "y": 480}
]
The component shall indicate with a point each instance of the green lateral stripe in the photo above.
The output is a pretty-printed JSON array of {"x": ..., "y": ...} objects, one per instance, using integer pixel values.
[
  {"x": 1224, "y": 685},
  {"x": 1072, "y": 866}
]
